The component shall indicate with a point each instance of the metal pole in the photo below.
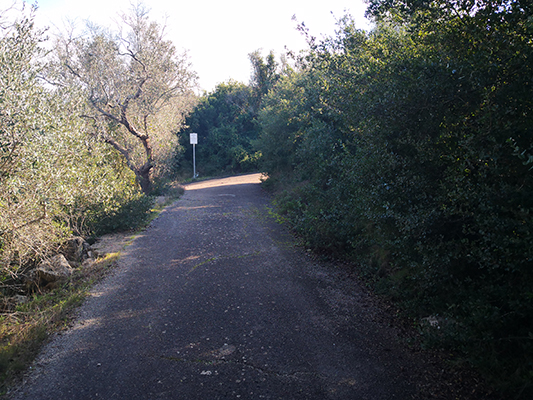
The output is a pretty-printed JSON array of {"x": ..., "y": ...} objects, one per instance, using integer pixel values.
[
  {"x": 194, "y": 160},
  {"x": 194, "y": 140}
]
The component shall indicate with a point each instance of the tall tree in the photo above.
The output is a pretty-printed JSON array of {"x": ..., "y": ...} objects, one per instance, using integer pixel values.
[
  {"x": 264, "y": 75},
  {"x": 137, "y": 86},
  {"x": 19, "y": 95},
  {"x": 21, "y": 118}
]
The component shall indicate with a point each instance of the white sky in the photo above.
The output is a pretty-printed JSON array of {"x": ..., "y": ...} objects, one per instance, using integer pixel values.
[{"x": 218, "y": 35}]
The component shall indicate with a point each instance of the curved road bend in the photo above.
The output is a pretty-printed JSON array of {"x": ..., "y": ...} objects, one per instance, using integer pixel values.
[{"x": 215, "y": 301}]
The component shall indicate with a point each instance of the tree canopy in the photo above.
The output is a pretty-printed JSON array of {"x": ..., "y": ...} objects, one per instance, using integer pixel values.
[
  {"x": 56, "y": 180},
  {"x": 226, "y": 120},
  {"x": 138, "y": 88}
]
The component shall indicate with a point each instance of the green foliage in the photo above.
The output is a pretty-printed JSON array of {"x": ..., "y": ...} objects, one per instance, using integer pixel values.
[
  {"x": 55, "y": 179},
  {"x": 264, "y": 76},
  {"x": 408, "y": 149},
  {"x": 224, "y": 122},
  {"x": 124, "y": 213},
  {"x": 282, "y": 119}
]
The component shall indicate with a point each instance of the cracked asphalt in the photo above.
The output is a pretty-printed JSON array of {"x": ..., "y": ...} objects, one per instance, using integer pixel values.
[{"x": 216, "y": 301}]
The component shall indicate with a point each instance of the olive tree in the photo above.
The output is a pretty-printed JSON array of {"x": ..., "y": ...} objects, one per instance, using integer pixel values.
[
  {"x": 21, "y": 102},
  {"x": 55, "y": 181},
  {"x": 137, "y": 87}
]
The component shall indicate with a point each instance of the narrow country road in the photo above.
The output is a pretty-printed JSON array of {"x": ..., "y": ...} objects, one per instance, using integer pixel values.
[{"x": 215, "y": 301}]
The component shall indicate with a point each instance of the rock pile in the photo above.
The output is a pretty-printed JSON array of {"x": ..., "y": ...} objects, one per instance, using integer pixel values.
[{"x": 56, "y": 270}]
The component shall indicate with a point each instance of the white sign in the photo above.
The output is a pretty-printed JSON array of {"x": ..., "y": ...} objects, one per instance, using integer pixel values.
[{"x": 194, "y": 138}]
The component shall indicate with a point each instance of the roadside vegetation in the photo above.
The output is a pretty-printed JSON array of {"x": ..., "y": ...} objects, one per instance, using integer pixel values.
[
  {"x": 406, "y": 150},
  {"x": 71, "y": 167},
  {"x": 409, "y": 150}
]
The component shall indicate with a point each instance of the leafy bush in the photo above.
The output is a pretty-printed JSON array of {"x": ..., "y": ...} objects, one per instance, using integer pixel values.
[
  {"x": 408, "y": 148},
  {"x": 124, "y": 214},
  {"x": 224, "y": 122}
]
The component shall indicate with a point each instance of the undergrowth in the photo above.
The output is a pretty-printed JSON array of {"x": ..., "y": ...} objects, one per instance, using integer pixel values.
[
  {"x": 483, "y": 322},
  {"x": 24, "y": 330},
  {"x": 27, "y": 324}
]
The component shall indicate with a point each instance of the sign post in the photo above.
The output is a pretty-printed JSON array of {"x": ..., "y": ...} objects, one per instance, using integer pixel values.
[{"x": 194, "y": 142}]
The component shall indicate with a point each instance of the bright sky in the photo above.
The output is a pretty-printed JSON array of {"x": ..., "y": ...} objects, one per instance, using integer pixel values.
[{"x": 218, "y": 34}]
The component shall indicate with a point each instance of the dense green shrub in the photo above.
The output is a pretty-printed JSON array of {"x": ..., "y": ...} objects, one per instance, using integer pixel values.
[
  {"x": 224, "y": 122},
  {"x": 408, "y": 148}
]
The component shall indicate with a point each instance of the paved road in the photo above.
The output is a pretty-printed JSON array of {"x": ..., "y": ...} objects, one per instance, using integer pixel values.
[{"x": 215, "y": 301}]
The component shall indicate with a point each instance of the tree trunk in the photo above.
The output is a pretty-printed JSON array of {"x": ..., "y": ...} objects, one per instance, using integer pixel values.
[{"x": 143, "y": 177}]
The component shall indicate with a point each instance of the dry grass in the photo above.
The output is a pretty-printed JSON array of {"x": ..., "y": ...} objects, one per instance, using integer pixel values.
[{"x": 25, "y": 328}]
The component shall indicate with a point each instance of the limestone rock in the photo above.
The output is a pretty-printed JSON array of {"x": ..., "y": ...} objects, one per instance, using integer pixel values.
[
  {"x": 75, "y": 248},
  {"x": 88, "y": 263},
  {"x": 56, "y": 269}
]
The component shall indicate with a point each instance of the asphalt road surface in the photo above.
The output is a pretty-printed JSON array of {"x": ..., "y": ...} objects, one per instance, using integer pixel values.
[{"x": 216, "y": 301}]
